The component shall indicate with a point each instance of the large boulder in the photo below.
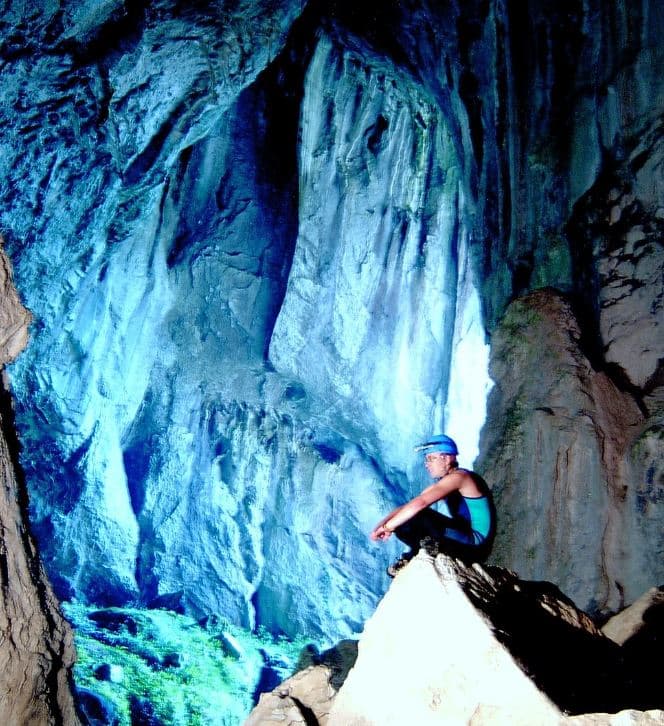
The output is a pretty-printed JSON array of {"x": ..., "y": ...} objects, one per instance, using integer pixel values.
[
  {"x": 307, "y": 696},
  {"x": 428, "y": 656}
]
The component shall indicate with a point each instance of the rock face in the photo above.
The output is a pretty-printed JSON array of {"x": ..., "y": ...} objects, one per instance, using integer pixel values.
[
  {"x": 265, "y": 245},
  {"x": 395, "y": 242},
  {"x": 563, "y": 442},
  {"x": 36, "y": 648},
  {"x": 197, "y": 452},
  {"x": 474, "y": 645},
  {"x": 634, "y": 619}
]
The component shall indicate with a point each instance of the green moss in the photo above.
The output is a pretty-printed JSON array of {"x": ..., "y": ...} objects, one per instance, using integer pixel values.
[
  {"x": 188, "y": 673},
  {"x": 519, "y": 318},
  {"x": 555, "y": 267},
  {"x": 513, "y": 421}
]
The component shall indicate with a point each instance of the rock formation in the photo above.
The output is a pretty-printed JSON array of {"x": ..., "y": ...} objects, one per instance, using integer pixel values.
[
  {"x": 36, "y": 647},
  {"x": 578, "y": 429},
  {"x": 475, "y": 645}
]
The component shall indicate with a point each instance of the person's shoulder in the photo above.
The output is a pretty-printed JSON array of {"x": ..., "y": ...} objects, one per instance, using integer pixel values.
[
  {"x": 457, "y": 475},
  {"x": 479, "y": 481}
]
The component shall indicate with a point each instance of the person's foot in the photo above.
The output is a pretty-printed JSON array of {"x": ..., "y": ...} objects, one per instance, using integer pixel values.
[
  {"x": 430, "y": 546},
  {"x": 400, "y": 563}
]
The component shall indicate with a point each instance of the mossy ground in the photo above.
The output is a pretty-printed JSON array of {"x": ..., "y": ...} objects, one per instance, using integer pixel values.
[{"x": 173, "y": 669}]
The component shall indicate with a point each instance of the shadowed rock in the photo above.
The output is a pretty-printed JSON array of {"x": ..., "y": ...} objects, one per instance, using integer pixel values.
[{"x": 640, "y": 630}]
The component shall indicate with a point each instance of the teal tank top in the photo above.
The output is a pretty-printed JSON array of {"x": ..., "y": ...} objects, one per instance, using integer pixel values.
[{"x": 479, "y": 513}]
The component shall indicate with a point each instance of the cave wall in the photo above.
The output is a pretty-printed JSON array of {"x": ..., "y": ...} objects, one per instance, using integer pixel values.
[{"x": 256, "y": 242}]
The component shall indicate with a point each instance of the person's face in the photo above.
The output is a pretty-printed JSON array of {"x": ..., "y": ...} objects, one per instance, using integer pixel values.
[{"x": 438, "y": 464}]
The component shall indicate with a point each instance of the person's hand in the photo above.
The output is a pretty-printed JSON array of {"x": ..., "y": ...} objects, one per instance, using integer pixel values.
[{"x": 381, "y": 533}]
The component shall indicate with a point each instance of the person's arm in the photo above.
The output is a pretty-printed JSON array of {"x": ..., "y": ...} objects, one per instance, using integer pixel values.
[
  {"x": 402, "y": 514},
  {"x": 378, "y": 532}
]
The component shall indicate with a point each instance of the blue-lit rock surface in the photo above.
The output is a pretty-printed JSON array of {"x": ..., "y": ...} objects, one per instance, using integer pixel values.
[
  {"x": 265, "y": 248},
  {"x": 368, "y": 318}
]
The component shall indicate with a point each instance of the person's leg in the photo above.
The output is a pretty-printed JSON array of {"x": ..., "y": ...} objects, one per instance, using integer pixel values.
[
  {"x": 425, "y": 524},
  {"x": 451, "y": 536}
]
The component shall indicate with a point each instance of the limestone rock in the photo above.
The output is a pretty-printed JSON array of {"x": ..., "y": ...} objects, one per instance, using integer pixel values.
[
  {"x": 640, "y": 630},
  {"x": 228, "y": 223},
  {"x": 483, "y": 646},
  {"x": 628, "y": 717},
  {"x": 251, "y": 233},
  {"x": 14, "y": 318},
  {"x": 427, "y": 656},
  {"x": 307, "y": 696},
  {"x": 541, "y": 627},
  {"x": 617, "y": 228},
  {"x": 393, "y": 249},
  {"x": 307, "y": 692},
  {"x": 171, "y": 445}
]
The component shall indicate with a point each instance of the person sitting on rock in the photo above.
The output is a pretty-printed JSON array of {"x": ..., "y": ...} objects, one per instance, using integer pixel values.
[{"x": 467, "y": 532}]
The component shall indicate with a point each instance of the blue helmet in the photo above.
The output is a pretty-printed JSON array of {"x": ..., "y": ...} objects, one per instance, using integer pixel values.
[{"x": 441, "y": 443}]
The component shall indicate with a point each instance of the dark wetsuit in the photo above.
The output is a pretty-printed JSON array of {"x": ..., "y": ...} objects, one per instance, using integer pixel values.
[{"x": 467, "y": 533}]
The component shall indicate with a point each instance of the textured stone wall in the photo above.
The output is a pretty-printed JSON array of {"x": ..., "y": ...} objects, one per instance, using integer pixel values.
[
  {"x": 190, "y": 454},
  {"x": 372, "y": 287}
]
